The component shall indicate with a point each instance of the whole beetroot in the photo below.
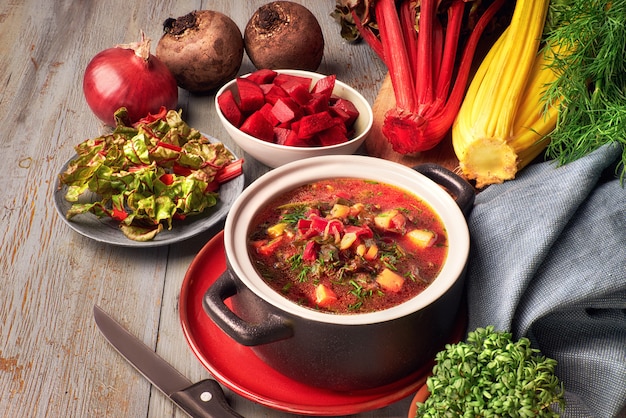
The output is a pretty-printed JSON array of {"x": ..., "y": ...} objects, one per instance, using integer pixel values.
[
  {"x": 202, "y": 49},
  {"x": 284, "y": 35}
]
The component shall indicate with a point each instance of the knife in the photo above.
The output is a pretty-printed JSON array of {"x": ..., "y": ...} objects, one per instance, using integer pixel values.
[{"x": 204, "y": 399}]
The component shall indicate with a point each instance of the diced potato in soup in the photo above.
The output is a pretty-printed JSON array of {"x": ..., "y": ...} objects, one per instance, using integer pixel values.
[{"x": 422, "y": 237}]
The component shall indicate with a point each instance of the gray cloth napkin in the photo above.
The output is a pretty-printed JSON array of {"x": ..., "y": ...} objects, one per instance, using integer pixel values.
[{"x": 548, "y": 261}]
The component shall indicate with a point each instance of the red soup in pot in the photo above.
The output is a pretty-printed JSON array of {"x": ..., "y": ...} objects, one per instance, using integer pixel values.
[{"x": 348, "y": 245}]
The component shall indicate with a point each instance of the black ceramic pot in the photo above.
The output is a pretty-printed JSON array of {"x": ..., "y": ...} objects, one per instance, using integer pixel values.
[{"x": 352, "y": 351}]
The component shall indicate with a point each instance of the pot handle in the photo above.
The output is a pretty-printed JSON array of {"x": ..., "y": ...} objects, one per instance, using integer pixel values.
[
  {"x": 274, "y": 328},
  {"x": 461, "y": 191}
]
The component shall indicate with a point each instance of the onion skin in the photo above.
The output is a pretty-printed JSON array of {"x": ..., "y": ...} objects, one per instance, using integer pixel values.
[
  {"x": 203, "y": 50},
  {"x": 128, "y": 76},
  {"x": 284, "y": 35}
]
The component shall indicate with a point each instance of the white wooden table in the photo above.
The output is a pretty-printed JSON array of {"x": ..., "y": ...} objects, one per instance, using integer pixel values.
[{"x": 53, "y": 360}]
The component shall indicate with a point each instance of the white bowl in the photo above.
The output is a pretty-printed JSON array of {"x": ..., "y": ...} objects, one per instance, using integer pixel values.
[
  {"x": 288, "y": 177},
  {"x": 275, "y": 155}
]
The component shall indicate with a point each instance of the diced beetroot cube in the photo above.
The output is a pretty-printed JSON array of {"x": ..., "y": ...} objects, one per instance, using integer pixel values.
[
  {"x": 281, "y": 134},
  {"x": 286, "y": 110},
  {"x": 331, "y": 136},
  {"x": 266, "y": 110},
  {"x": 318, "y": 103},
  {"x": 285, "y": 80},
  {"x": 290, "y": 125},
  {"x": 317, "y": 122},
  {"x": 228, "y": 106},
  {"x": 299, "y": 93},
  {"x": 265, "y": 88},
  {"x": 340, "y": 124},
  {"x": 338, "y": 112},
  {"x": 294, "y": 140},
  {"x": 257, "y": 126},
  {"x": 263, "y": 76},
  {"x": 325, "y": 85},
  {"x": 251, "y": 97},
  {"x": 348, "y": 108},
  {"x": 274, "y": 93}
]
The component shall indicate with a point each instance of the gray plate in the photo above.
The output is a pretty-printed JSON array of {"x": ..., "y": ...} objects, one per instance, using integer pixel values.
[{"x": 107, "y": 230}]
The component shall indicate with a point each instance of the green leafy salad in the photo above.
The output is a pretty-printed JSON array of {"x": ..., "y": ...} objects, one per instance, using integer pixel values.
[{"x": 147, "y": 174}]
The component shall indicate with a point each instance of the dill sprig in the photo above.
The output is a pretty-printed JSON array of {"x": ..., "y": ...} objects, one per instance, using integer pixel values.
[{"x": 590, "y": 36}]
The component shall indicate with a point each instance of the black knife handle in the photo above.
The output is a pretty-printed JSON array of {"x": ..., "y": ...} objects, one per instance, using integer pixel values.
[{"x": 204, "y": 399}]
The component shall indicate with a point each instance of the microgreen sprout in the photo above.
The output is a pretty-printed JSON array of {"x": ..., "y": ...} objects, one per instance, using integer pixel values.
[{"x": 492, "y": 376}]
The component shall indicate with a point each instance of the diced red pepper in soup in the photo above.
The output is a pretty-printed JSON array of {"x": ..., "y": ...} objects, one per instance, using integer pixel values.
[
  {"x": 267, "y": 247},
  {"x": 348, "y": 245}
]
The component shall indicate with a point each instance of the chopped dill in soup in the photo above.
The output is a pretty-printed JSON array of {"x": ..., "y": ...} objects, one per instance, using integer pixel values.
[{"x": 348, "y": 245}]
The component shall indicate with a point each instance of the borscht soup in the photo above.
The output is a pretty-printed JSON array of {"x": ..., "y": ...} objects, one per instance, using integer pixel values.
[{"x": 347, "y": 245}]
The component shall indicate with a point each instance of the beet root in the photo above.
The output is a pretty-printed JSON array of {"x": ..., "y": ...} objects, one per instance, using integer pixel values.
[
  {"x": 202, "y": 49},
  {"x": 284, "y": 35}
]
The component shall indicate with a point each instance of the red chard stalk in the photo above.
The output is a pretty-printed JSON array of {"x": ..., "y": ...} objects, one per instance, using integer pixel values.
[{"x": 420, "y": 52}]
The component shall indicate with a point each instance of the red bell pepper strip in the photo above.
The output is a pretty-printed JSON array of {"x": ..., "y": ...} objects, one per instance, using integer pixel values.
[
  {"x": 334, "y": 227},
  {"x": 305, "y": 231},
  {"x": 318, "y": 224},
  {"x": 167, "y": 179},
  {"x": 118, "y": 214},
  {"x": 310, "y": 251},
  {"x": 266, "y": 247},
  {"x": 118, "y": 211},
  {"x": 360, "y": 231}
]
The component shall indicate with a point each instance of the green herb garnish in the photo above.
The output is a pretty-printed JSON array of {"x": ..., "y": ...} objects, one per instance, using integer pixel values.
[
  {"x": 297, "y": 264},
  {"x": 295, "y": 212},
  {"x": 492, "y": 376},
  {"x": 359, "y": 291},
  {"x": 391, "y": 254},
  {"x": 591, "y": 87}
]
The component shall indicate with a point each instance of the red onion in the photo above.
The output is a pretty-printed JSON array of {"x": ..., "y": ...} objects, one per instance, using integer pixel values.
[{"x": 128, "y": 76}]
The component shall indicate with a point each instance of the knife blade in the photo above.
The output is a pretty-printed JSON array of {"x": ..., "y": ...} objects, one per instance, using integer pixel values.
[{"x": 204, "y": 399}]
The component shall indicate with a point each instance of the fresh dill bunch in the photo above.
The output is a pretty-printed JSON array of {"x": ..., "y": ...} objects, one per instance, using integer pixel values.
[
  {"x": 589, "y": 36},
  {"x": 490, "y": 375}
]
